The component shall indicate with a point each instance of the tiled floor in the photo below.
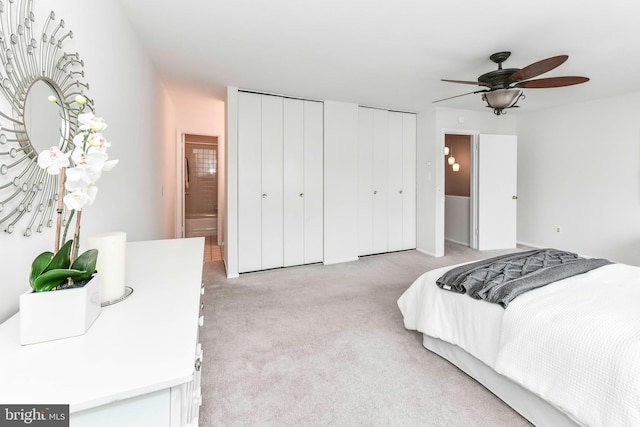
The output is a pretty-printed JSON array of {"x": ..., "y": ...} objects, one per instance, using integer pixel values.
[{"x": 212, "y": 252}]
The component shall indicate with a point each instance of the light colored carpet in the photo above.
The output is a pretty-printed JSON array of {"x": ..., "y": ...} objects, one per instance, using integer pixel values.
[{"x": 325, "y": 346}]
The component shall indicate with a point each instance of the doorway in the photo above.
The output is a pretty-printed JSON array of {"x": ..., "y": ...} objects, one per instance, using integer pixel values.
[
  {"x": 198, "y": 192},
  {"x": 458, "y": 188}
]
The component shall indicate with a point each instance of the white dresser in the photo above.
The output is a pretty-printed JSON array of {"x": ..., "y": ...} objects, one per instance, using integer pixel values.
[{"x": 140, "y": 362}]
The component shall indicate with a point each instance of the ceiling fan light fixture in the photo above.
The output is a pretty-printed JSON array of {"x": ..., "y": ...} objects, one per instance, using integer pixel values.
[{"x": 502, "y": 98}]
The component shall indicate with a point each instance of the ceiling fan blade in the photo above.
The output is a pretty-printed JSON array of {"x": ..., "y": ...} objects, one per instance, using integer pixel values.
[
  {"x": 458, "y": 96},
  {"x": 552, "y": 82},
  {"x": 466, "y": 82},
  {"x": 537, "y": 68}
]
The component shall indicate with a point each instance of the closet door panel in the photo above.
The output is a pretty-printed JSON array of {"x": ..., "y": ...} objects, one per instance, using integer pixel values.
[
  {"x": 380, "y": 177},
  {"x": 313, "y": 181},
  {"x": 272, "y": 182},
  {"x": 293, "y": 182},
  {"x": 395, "y": 187},
  {"x": 365, "y": 181},
  {"x": 249, "y": 182},
  {"x": 409, "y": 129}
]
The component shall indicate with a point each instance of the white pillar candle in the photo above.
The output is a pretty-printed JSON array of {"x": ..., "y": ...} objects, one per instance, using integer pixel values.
[{"x": 111, "y": 262}]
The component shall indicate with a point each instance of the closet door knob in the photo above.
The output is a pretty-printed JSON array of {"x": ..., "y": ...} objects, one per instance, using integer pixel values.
[
  {"x": 400, "y": 191},
  {"x": 375, "y": 191},
  {"x": 301, "y": 194},
  {"x": 264, "y": 195}
]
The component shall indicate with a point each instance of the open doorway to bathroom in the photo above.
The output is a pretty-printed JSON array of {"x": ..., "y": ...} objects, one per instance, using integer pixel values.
[
  {"x": 200, "y": 173},
  {"x": 458, "y": 189}
]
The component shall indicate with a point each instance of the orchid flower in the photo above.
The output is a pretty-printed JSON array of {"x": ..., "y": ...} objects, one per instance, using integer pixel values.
[
  {"x": 80, "y": 197},
  {"x": 88, "y": 121},
  {"x": 53, "y": 160}
]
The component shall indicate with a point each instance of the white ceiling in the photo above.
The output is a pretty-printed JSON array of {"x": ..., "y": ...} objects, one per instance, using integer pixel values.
[{"x": 388, "y": 53}]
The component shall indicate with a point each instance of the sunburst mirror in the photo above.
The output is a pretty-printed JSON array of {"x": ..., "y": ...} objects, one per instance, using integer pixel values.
[{"x": 36, "y": 66}]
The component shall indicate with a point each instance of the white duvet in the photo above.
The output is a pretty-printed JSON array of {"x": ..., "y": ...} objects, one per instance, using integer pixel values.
[{"x": 575, "y": 343}]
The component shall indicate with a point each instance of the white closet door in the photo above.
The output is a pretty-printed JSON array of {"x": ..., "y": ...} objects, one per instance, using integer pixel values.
[
  {"x": 395, "y": 178},
  {"x": 380, "y": 177},
  {"x": 365, "y": 181},
  {"x": 272, "y": 182},
  {"x": 313, "y": 182},
  {"x": 249, "y": 182},
  {"x": 293, "y": 182},
  {"x": 409, "y": 129}
]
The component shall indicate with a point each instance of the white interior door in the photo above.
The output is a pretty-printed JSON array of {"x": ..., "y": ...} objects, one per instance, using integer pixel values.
[
  {"x": 249, "y": 182},
  {"x": 365, "y": 181},
  {"x": 497, "y": 191},
  {"x": 394, "y": 182},
  {"x": 380, "y": 177},
  {"x": 293, "y": 182},
  {"x": 313, "y": 181},
  {"x": 409, "y": 130},
  {"x": 272, "y": 182}
]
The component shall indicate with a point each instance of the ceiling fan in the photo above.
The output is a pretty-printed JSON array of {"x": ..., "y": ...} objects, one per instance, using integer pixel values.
[{"x": 502, "y": 88}]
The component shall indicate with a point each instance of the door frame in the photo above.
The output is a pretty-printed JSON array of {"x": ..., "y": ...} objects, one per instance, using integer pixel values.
[
  {"x": 473, "y": 199},
  {"x": 179, "y": 224}
]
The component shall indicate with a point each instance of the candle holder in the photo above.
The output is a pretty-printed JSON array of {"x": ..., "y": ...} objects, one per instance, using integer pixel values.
[{"x": 128, "y": 290}]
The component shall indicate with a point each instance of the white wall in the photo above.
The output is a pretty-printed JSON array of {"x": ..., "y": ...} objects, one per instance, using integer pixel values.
[
  {"x": 579, "y": 168},
  {"x": 128, "y": 94},
  {"x": 457, "y": 221}
]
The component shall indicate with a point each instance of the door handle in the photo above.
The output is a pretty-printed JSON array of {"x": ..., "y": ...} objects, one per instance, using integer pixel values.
[
  {"x": 375, "y": 192},
  {"x": 514, "y": 197},
  {"x": 301, "y": 194},
  {"x": 264, "y": 195}
]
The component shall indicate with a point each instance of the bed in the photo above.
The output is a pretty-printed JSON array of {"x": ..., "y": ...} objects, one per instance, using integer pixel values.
[{"x": 563, "y": 354}]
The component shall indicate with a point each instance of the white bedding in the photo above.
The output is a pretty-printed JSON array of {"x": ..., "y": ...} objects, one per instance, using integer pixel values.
[
  {"x": 578, "y": 349},
  {"x": 470, "y": 324}
]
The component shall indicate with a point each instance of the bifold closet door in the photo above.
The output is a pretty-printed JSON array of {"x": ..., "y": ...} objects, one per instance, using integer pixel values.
[
  {"x": 272, "y": 179},
  {"x": 365, "y": 181},
  {"x": 386, "y": 181},
  {"x": 395, "y": 191},
  {"x": 313, "y": 182},
  {"x": 380, "y": 181},
  {"x": 401, "y": 193},
  {"x": 293, "y": 182},
  {"x": 409, "y": 139},
  {"x": 260, "y": 176},
  {"x": 303, "y": 176},
  {"x": 249, "y": 182}
]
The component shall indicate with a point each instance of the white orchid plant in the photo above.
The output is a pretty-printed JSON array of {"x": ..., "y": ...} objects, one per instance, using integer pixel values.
[{"x": 79, "y": 170}]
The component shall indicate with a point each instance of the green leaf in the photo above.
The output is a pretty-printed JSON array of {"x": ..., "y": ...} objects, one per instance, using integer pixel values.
[
  {"x": 54, "y": 278},
  {"x": 86, "y": 261},
  {"x": 38, "y": 265},
  {"x": 61, "y": 259}
]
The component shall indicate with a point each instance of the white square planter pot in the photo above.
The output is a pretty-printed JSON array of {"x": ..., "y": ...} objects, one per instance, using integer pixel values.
[{"x": 47, "y": 316}]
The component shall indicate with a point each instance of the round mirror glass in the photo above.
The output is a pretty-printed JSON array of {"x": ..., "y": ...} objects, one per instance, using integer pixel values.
[{"x": 43, "y": 119}]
